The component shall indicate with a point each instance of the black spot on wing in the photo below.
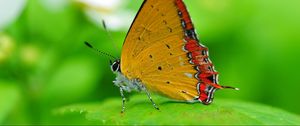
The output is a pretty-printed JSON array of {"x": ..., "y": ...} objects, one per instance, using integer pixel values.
[
  {"x": 168, "y": 46},
  {"x": 191, "y": 33},
  {"x": 159, "y": 68},
  {"x": 165, "y": 22},
  {"x": 170, "y": 29},
  {"x": 211, "y": 78}
]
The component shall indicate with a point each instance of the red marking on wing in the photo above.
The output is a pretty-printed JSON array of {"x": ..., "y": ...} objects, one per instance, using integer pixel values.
[
  {"x": 193, "y": 45},
  {"x": 203, "y": 96},
  {"x": 199, "y": 59},
  {"x": 185, "y": 15}
]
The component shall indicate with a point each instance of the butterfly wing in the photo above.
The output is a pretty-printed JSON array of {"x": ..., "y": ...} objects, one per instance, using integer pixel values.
[
  {"x": 147, "y": 30},
  {"x": 162, "y": 50}
]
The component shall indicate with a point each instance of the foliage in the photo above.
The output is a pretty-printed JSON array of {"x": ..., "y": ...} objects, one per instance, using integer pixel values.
[
  {"x": 7, "y": 104},
  {"x": 141, "y": 112}
]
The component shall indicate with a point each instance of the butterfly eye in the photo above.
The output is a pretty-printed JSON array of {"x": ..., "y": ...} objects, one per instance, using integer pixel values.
[{"x": 115, "y": 66}]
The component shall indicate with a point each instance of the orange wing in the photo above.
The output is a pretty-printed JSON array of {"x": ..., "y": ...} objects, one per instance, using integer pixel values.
[
  {"x": 152, "y": 24},
  {"x": 162, "y": 50},
  {"x": 154, "y": 42}
]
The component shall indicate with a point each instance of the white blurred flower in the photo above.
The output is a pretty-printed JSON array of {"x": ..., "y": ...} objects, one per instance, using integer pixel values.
[
  {"x": 108, "y": 4},
  {"x": 9, "y": 11},
  {"x": 55, "y": 5},
  {"x": 112, "y": 12}
]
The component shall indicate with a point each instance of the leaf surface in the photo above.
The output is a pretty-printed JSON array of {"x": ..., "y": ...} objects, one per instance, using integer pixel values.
[{"x": 140, "y": 111}]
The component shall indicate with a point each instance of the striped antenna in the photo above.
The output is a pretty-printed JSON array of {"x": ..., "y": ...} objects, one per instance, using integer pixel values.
[
  {"x": 109, "y": 34},
  {"x": 99, "y": 52}
]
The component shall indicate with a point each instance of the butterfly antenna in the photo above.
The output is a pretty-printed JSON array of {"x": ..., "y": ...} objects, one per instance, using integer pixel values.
[
  {"x": 99, "y": 52},
  {"x": 109, "y": 34}
]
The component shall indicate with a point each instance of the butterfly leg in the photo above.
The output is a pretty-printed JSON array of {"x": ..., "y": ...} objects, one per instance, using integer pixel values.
[
  {"x": 150, "y": 98},
  {"x": 123, "y": 99}
]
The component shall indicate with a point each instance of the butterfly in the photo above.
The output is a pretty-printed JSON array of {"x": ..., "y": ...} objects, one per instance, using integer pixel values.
[{"x": 162, "y": 54}]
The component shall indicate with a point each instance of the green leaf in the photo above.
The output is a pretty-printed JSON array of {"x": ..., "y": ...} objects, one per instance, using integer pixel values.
[
  {"x": 9, "y": 96},
  {"x": 71, "y": 81},
  {"x": 140, "y": 111}
]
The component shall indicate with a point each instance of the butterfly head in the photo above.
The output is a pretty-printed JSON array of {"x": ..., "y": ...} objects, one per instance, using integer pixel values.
[{"x": 115, "y": 65}]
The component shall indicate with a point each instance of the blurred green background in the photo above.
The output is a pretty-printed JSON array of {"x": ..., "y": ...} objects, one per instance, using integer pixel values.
[{"x": 44, "y": 64}]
